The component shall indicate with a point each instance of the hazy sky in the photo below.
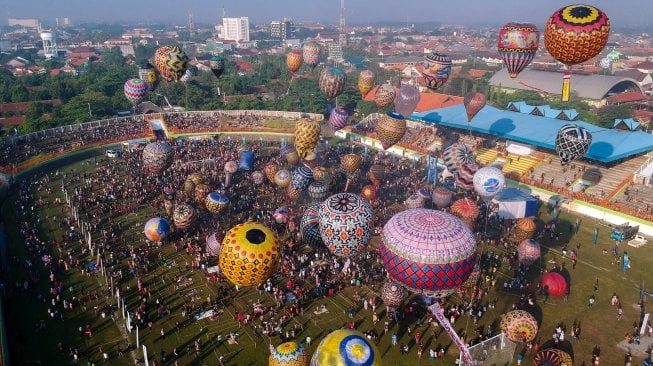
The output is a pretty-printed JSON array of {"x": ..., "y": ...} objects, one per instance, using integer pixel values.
[{"x": 621, "y": 12}]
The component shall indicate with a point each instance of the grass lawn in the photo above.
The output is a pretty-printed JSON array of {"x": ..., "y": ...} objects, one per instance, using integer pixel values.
[{"x": 599, "y": 324}]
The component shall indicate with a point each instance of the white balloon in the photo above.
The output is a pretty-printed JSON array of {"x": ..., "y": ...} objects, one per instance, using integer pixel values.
[{"x": 488, "y": 182}]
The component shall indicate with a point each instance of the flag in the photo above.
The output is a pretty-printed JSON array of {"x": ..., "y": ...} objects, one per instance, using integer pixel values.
[
  {"x": 596, "y": 235},
  {"x": 626, "y": 262}
]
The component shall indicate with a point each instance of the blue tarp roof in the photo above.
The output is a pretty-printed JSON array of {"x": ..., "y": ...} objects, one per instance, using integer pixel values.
[
  {"x": 607, "y": 146},
  {"x": 511, "y": 194},
  {"x": 629, "y": 122}
]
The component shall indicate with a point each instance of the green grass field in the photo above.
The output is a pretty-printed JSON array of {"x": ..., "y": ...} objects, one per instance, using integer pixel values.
[{"x": 599, "y": 324}]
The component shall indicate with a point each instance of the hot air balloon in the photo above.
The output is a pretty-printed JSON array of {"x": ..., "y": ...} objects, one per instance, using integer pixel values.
[
  {"x": 156, "y": 229},
  {"x": 365, "y": 81},
  {"x": 519, "y": 326},
  {"x": 429, "y": 252},
  {"x": 309, "y": 226},
  {"x": 384, "y": 96},
  {"x": 464, "y": 176},
  {"x": 321, "y": 174},
  {"x": 171, "y": 62},
  {"x": 456, "y": 155},
  {"x": 281, "y": 215},
  {"x": 216, "y": 202},
  {"x": 369, "y": 192},
  {"x": 311, "y": 160},
  {"x": 213, "y": 244},
  {"x": 311, "y": 53},
  {"x": 147, "y": 73},
  {"x": 318, "y": 190},
  {"x": 293, "y": 193},
  {"x": 437, "y": 69},
  {"x": 258, "y": 178},
  {"x": 289, "y": 354},
  {"x": 517, "y": 46},
  {"x": 554, "y": 284},
  {"x": 572, "y": 142},
  {"x": 345, "y": 347},
  {"x": 488, "y": 182},
  {"x": 575, "y": 34},
  {"x": 201, "y": 191},
  {"x": 406, "y": 100},
  {"x": 529, "y": 252},
  {"x": 249, "y": 255},
  {"x": 474, "y": 102},
  {"x": 216, "y": 64},
  {"x": 552, "y": 357},
  {"x": 301, "y": 178},
  {"x": 307, "y": 134},
  {"x": 393, "y": 294},
  {"x": 169, "y": 198},
  {"x": 338, "y": 118},
  {"x": 524, "y": 229},
  {"x": 294, "y": 60},
  {"x": 157, "y": 156},
  {"x": 246, "y": 160},
  {"x": 441, "y": 197},
  {"x": 184, "y": 216},
  {"x": 282, "y": 178},
  {"x": 466, "y": 210},
  {"x": 350, "y": 163},
  {"x": 346, "y": 223},
  {"x": 135, "y": 90},
  {"x": 196, "y": 178},
  {"x": 424, "y": 193},
  {"x": 230, "y": 167},
  {"x": 332, "y": 81},
  {"x": 606, "y": 63},
  {"x": 414, "y": 201},
  {"x": 270, "y": 169},
  {"x": 390, "y": 129}
]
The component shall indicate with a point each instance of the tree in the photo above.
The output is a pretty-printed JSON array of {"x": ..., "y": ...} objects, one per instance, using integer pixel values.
[{"x": 77, "y": 108}]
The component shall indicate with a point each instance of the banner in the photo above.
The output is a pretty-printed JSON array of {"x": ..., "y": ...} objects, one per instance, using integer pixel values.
[
  {"x": 437, "y": 310},
  {"x": 566, "y": 86}
]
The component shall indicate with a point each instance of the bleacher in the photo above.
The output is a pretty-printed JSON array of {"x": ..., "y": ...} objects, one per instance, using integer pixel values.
[
  {"x": 519, "y": 165},
  {"x": 486, "y": 156}
]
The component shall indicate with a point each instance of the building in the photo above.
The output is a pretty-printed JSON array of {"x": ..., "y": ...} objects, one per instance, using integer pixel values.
[
  {"x": 282, "y": 29},
  {"x": 235, "y": 29},
  {"x": 27, "y": 23}
]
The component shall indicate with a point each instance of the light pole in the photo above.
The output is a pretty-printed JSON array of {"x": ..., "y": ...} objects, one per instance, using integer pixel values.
[{"x": 89, "y": 110}]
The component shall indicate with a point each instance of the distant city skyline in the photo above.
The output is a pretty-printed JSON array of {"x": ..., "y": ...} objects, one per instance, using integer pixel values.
[{"x": 628, "y": 13}]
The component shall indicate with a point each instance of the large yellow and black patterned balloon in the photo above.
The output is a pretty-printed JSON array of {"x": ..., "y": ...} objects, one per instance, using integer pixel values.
[
  {"x": 289, "y": 354},
  {"x": 171, "y": 62},
  {"x": 249, "y": 255},
  {"x": 307, "y": 134},
  {"x": 345, "y": 347},
  {"x": 576, "y": 33},
  {"x": 390, "y": 129}
]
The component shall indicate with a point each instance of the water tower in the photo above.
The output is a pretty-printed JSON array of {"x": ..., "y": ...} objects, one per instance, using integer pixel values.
[{"x": 49, "y": 44}]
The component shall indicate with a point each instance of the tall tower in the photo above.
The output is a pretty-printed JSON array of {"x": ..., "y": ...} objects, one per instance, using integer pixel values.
[
  {"x": 49, "y": 44},
  {"x": 343, "y": 36}
]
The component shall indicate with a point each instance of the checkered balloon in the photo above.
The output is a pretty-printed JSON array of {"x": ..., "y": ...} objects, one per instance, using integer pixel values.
[{"x": 572, "y": 142}]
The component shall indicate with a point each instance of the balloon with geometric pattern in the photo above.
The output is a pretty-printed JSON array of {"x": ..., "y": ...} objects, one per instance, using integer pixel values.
[
  {"x": 147, "y": 73},
  {"x": 135, "y": 90},
  {"x": 184, "y": 216},
  {"x": 390, "y": 129},
  {"x": 553, "y": 357},
  {"x": 365, "y": 81},
  {"x": 213, "y": 244},
  {"x": 344, "y": 347},
  {"x": 293, "y": 193},
  {"x": 156, "y": 229},
  {"x": 282, "y": 178},
  {"x": 464, "y": 176},
  {"x": 350, "y": 163},
  {"x": 393, "y": 294},
  {"x": 414, "y": 201},
  {"x": 572, "y": 142},
  {"x": 427, "y": 251},
  {"x": 171, "y": 62},
  {"x": 384, "y": 96},
  {"x": 270, "y": 169},
  {"x": 338, "y": 118},
  {"x": 311, "y": 53},
  {"x": 517, "y": 46},
  {"x": 524, "y": 229},
  {"x": 488, "y": 182},
  {"x": 157, "y": 157},
  {"x": 309, "y": 226},
  {"x": 346, "y": 223},
  {"x": 424, "y": 193},
  {"x": 289, "y": 354},
  {"x": 250, "y": 254},
  {"x": 301, "y": 178},
  {"x": 216, "y": 202},
  {"x": 456, "y": 155},
  {"x": 258, "y": 178},
  {"x": 318, "y": 190},
  {"x": 281, "y": 215},
  {"x": 216, "y": 64},
  {"x": 519, "y": 326},
  {"x": 294, "y": 60},
  {"x": 332, "y": 81},
  {"x": 466, "y": 210},
  {"x": 437, "y": 68},
  {"x": 307, "y": 134},
  {"x": 576, "y": 33}
]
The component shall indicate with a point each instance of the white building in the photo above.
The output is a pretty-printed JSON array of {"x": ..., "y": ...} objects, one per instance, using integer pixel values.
[{"x": 235, "y": 29}]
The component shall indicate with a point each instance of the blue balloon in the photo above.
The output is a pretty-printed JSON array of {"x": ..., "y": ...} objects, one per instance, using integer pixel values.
[{"x": 246, "y": 160}]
